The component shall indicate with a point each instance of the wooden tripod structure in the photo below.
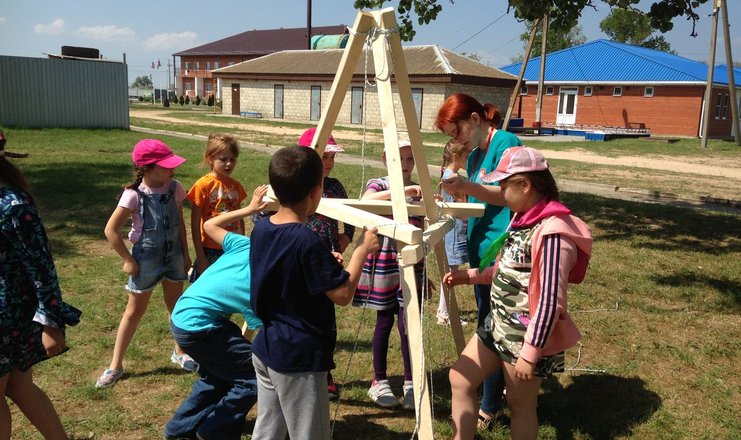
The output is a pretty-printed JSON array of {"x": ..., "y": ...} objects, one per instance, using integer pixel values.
[{"x": 380, "y": 29}]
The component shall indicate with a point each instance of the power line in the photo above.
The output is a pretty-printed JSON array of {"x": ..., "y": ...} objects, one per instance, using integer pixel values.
[{"x": 482, "y": 30}]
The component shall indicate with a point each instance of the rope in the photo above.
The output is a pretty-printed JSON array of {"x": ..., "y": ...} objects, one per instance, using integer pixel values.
[
  {"x": 578, "y": 359},
  {"x": 423, "y": 373}
]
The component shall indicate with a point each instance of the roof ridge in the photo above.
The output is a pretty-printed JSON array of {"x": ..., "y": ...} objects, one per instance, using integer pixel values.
[{"x": 442, "y": 58}]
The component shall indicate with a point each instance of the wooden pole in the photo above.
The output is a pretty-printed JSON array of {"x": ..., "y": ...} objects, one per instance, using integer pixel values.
[
  {"x": 711, "y": 70},
  {"x": 516, "y": 91},
  {"x": 731, "y": 76},
  {"x": 541, "y": 78}
]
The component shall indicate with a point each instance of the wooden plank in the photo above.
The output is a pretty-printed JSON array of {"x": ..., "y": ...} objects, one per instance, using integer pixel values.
[
  {"x": 350, "y": 56},
  {"x": 422, "y": 403},
  {"x": 431, "y": 236},
  {"x": 404, "y": 89},
  {"x": 388, "y": 121},
  {"x": 402, "y": 231},
  {"x": 383, "y": 207},
  {"x": 449, "y": 293}
]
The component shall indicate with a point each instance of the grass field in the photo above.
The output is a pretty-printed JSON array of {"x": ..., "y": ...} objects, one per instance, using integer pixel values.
[{"x": 660, "y": 313}]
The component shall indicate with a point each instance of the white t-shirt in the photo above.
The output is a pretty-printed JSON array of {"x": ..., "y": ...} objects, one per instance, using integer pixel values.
[{"x": 130, "y": 200}]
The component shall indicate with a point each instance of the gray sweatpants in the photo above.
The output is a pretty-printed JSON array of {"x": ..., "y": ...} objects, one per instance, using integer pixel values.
[{"x": 292, "y": 403}]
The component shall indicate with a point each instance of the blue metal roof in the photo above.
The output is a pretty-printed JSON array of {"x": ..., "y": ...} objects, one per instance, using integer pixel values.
[{"x": 609, "y": 61}]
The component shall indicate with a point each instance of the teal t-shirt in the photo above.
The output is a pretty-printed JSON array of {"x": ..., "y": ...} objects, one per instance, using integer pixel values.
[
  {"x": 483, "y": 230},
  {"x": 222, "y": 290}
]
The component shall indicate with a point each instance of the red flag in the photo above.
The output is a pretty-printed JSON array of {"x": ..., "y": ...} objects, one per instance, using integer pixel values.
[
  {"x": 152, "y": 64},
  {"x": 158, "y": 64}
]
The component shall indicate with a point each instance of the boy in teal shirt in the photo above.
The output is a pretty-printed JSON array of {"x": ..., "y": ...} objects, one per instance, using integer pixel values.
[{"x": 220, "y": 399}]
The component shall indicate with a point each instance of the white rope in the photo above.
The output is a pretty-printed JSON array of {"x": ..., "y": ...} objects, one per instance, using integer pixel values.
[
  {"x": 617, "y": 305},
  {"x": 423, "y": 373},
  {"x": 578, "y": 359}
]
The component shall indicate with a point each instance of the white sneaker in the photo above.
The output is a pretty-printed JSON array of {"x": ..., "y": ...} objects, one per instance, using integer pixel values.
[
  {"x": 381, "y": 394},
  {"x": 408, "y": 399}
]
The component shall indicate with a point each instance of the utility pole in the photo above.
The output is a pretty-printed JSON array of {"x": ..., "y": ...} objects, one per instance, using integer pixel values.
[
  {"x": 731, "y": 76},
  {"x": 308, "y": 24},
  {"x": 711, "y": 71},
  {"x": 541, "y": 79},
  {"x": 525, "y": 60}
]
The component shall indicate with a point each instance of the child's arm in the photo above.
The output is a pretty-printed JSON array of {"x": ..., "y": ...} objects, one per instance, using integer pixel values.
[
  {"x": 367, "y": 244},
  {"x": 214, "y": 227},
  {"x": 409, "y": 191},
  {"x": 470, "y": 276},
  {"x": 113, "y": 235},
  {"x": 487, "y": 193},
  {"x": 195, "y": 231},
  {"x": 184, "y": 239}
]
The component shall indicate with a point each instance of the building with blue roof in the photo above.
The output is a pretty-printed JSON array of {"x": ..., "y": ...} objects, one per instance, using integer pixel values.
[{"x": 603, "y": 84}]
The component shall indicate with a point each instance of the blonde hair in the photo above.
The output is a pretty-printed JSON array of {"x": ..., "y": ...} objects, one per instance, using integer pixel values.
[
  {"x": 218, "y": 142},
  {"x": 451, "y": 148}
]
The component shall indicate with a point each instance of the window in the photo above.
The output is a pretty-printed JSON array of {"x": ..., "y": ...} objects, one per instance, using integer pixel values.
[
  {"x": 648, "y": 92},
  {"x": 187, "y": 66},
  {"x": 217, "y": 65},
  {"x": 588, "y": 91},
  {"x": 278, "y": 101},
  {"x": 549, "y": 90},
  {"x": 724, "y": 111},
  {"x": 209, "y": 87},
  {"x": 198, "y": 65},
  {"x": 188, "y": 86},
  {"x": 718, "y": 106},
  {"x": 418, "y": 99},
  {"x": 208, "y": 65},
  {"x": 523, "y": 89},
  {"x": 617, "y": 91},
  {"x": 230, "y": 63}
]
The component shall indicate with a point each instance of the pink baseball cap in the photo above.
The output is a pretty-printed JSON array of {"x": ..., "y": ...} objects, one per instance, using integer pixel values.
[
  {"x": 308, "y": 136},
  {"x": 153, "y": 151},
  {"x": 515, "y": 160}
]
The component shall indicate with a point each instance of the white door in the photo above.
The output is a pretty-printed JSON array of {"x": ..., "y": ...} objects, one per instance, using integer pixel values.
[{"x": 567, "y": 105}]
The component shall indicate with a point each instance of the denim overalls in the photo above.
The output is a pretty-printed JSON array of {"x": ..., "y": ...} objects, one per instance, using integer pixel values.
[{"x": 158, "y": 252}]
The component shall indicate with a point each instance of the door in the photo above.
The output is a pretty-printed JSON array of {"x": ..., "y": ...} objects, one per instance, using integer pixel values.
[
  {"x": 278, "y": 101},
  {"x": 316, "y": 103},
  {"x": 567, "y": 105},
  {"x": 235, "y": 99},
  {"x": 356, "y": 105}
]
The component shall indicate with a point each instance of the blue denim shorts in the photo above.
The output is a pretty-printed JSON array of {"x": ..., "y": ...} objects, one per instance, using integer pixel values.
[
  {"x": 156, "y": 264},
  {"x": 456, "y": 244}
]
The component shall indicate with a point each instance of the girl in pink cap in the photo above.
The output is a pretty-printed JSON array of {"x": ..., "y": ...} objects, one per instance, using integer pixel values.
[
  {"x": 159, "y": 252},
  {"x": 543, "y": 250}
]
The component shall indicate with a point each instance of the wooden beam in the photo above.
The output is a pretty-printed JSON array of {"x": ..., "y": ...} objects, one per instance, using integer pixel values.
[
  {"x": 431, "y": 236},
  {"x": 383, "y": 207},
  {"x": 403, "y": 231},
  {"x": 709, "y": 83},
  {"x": 449, "y": 294},
  {"x": 525, "y": 60},
  {"x": 735, "y": 127}
]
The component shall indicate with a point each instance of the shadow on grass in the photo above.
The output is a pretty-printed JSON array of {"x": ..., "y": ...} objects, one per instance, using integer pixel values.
[
  {"x": 362, "y": 426},
  {"x": 664, "y": 228},
  {"x": 730, "y": 288},
  {"x": 597, "y": 406}
]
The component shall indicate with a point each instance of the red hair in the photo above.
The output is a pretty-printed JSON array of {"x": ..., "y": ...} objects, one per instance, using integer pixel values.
[{"x": 460, "y": 106}]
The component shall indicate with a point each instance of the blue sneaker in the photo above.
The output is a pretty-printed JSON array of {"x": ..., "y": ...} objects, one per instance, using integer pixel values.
[{"x": 184, "y": 361}]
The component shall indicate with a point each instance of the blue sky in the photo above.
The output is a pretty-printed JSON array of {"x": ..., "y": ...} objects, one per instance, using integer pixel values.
[{"x": 153, "y": 30}]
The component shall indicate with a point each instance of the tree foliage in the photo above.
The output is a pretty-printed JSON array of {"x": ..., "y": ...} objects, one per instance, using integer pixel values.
[
  {"x": 142, "y": 82},
  {"x": 557, "y": 40},
  {"x": 564, "y": 13},
  {"x": 633, "y": 27}
]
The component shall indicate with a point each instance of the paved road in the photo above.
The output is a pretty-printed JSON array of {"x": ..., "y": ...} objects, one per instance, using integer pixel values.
[{"x": 597, "y": 189}]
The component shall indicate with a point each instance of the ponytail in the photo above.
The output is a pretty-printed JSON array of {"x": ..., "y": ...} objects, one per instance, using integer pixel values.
[{"x": 138, "y": 177}]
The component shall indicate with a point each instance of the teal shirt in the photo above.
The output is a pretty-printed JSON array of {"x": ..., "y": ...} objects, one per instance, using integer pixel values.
[
  {"x": 222, "y": 290},
  {"x": 483, "y": 230}
]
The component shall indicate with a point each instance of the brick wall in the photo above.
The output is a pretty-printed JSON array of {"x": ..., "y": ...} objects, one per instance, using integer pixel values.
[{"x": 672, "y": 111}]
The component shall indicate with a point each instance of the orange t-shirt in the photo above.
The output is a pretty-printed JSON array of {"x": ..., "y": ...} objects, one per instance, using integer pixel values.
[{"x": 215, "y": 196}]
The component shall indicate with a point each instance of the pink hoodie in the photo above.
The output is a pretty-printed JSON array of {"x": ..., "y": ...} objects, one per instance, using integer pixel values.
[{"x": 551, "y": 329}]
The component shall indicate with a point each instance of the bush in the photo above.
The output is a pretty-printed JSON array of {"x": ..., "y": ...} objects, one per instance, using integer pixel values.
[
  {"x": 187, "y": 99},
  {"x": 210, "y": 102},
  {"x": 197, "y": 100},
  {"x": 166, "y": 103},
  {"x": 181, "y": 100}
]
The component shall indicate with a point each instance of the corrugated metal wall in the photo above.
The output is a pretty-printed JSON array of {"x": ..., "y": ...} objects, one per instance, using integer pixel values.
[{"x": 40, "y": 92}]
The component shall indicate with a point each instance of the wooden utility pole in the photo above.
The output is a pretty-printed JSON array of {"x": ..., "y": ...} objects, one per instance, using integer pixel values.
[
  {"x": 525, "y": 60},
  {"x": 541, "y": 79},
  {"x": 711, "y": 71},
  {"x": 731, "y": 76}
]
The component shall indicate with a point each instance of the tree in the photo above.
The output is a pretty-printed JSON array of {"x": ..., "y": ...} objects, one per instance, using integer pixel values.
[
  {"x": 633, "y": 27},
  {"x": 564, "y": 13},
  {"x": 557, "y": 40},
  {"x": 142, "y": 82},
  {"x": 473, "y": 56}
]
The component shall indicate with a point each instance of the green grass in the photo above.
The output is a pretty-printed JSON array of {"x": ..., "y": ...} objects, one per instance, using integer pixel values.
[{"x": 669, "y": 351}]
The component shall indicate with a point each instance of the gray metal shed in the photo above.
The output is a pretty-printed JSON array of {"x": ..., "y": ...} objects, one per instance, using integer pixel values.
[{"x": 40, "y": 92}]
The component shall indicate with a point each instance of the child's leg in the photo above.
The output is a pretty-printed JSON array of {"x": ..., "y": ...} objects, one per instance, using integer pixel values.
[
  {"x": 5, "y": 421},
  {"x": 135, "y": 309},
  {"x": 442, "y": 306},
  {"x": 475, "y": 363},
  {"x": 171, "y": 291},
  {"x": 270, "y": 423},
  {"x": 404, "y": 343},
  {"x": 381, "y": 334},
  {"x": 304, "y": 402},
  {"x": 34, "y": 404},
  {"x": 522, "y": 400}
]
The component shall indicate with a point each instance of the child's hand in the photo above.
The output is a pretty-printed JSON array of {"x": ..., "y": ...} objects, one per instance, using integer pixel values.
[
  {"x": 413, "y": 191},
  {"x": 344, "y": 242},
  {"x": 256, "y": 204},
  {"x": 456, "y": 278},
  {"x": 369, "y": 239},
  {"x": 524, "y": 370},
  {"x": 130, "y": 267},
  {"x": 53, "y": 341},
  {"x": 338, "y": 257},
  {"x": 453, "y": 184}
]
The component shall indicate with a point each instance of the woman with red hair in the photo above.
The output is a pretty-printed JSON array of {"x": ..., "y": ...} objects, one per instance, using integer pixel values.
[{"x": 475, "y": 125}]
